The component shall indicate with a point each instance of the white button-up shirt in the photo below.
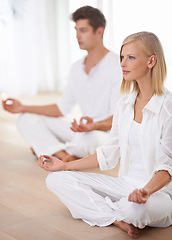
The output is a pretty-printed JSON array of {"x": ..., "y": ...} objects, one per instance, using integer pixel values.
[
  {"x": 155, "y": 136},
  {"x": 96, "y": 93}
]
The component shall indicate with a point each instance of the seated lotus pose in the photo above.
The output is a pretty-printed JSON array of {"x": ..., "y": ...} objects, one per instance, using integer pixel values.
[
  {"x": 141, "y": 137},
  {"x": 94, "y": 85}
]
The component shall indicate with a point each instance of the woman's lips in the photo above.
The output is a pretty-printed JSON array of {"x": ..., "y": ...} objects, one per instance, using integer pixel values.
[{"x": 125, "y": 72}]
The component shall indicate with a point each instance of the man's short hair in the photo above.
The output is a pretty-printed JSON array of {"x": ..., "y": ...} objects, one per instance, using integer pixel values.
[{"x": 95, "y": 16}]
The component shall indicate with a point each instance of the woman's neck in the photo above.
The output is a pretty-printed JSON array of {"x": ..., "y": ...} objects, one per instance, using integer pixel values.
[{"x": 145, "y": 88}]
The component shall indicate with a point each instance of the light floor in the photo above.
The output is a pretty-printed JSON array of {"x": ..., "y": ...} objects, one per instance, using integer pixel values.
[{"x": 28, "y": 210}]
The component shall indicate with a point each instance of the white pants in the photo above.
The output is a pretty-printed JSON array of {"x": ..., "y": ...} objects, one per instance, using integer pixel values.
[
  {"x": 100, "y": 200},
  {"x": 48, "y": 135}
]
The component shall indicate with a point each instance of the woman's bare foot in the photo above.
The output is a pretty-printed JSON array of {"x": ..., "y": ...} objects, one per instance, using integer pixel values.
[
  {"x": 129, "y": 228},
  {"x": 69, "y": 158}
]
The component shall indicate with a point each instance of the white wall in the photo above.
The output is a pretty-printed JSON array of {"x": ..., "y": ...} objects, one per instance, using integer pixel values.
[{"x": 37, "y": 49}]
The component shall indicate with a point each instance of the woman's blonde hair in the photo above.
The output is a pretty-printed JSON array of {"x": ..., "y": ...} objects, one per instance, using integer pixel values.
[{"x": 150, "y": 45}]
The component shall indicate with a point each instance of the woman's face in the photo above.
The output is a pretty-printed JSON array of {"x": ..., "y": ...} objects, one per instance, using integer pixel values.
[{"x": 134, "y": 63}]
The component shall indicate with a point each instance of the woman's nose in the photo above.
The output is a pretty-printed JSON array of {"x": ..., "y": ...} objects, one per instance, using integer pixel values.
[{"x": 124, "y": 61}]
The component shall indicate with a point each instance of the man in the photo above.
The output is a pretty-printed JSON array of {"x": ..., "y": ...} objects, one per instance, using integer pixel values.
[{"x": 94, "y": 85}]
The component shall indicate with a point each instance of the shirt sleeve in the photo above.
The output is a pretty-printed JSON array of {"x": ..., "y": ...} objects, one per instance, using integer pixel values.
[
  {"x": 108, "y": 155},
  {"x": 164, "y": 158},
  {"x": 164, "y": 161},
  {"x": 67, "y": 101}
]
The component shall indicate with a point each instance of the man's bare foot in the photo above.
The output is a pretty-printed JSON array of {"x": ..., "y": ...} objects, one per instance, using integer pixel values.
[
  {"x": 64, "y": 156},
  {"x": 60, "y": 154},
  {"x": 129, "y": 228},
  {"x": 69, "y": 158}
]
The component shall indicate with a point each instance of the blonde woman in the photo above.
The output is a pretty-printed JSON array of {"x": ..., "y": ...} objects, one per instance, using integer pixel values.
[{"x": 141, "y": 136}]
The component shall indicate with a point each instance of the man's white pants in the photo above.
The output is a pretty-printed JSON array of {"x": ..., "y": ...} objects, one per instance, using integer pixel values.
[
  {"x": 48, "y": 135},
  {"x": 100, "y": 200}
]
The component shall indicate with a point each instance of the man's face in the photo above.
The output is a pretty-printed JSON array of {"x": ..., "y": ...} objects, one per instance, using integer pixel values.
[{"x": 85, "y": 34}]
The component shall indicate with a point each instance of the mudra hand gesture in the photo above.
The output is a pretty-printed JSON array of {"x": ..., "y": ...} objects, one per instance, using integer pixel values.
[
  {"x": 83, "y": 126},
  {"x": 55, "y": 164}
]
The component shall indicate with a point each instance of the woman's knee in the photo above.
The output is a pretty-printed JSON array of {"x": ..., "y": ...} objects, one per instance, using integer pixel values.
[
  {"x": 133, "y": 213},
  {"x": 153, "y": 213},
  {"x": 58, "y": 179},
  {"x": 52, "y": 179},
  {"x": 137, "y": 213},
  {"x": 160, "y": 210}
]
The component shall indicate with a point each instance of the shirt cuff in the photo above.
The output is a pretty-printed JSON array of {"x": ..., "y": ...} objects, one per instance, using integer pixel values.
[
  {"x": 101, "y": 159},
  {"x": 164, "y": 167}
]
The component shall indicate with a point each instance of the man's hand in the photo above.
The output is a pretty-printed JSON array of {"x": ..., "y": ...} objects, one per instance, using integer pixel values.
[
  {"x": 55, "y": 164},
  {"x": 139, "y": 196},
  {"x": 15, "y": 107},
  {"x": 83, "y": 127}
]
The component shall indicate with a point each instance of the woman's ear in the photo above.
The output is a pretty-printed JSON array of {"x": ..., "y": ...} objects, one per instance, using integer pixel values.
[{"x": 152, "y": 61}]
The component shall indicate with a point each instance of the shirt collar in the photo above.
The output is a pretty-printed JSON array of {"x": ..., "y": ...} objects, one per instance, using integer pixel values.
[
  {"x": 131, "y": 98},
  {"x": 154, "y": 105}
]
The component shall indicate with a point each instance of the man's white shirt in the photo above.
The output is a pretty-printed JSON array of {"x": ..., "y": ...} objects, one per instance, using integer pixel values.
[{"x": 96, "y": 93}]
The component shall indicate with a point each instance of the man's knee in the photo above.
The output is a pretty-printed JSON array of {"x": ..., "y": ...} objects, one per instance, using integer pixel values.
[
  {"x": 26, "y": 120},
  {"x": 84, "y": 144},
  {"x": 22, "y": 120}
]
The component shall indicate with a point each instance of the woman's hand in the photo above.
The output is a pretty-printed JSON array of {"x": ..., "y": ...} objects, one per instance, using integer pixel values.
[
  {"x": 139, "y": 196},
  {"x": 55, "y": 164},
  {"x": 158, "y": 181},
  {"x": 83, "y": 127},
  {"x": 15, "y": 107}
]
